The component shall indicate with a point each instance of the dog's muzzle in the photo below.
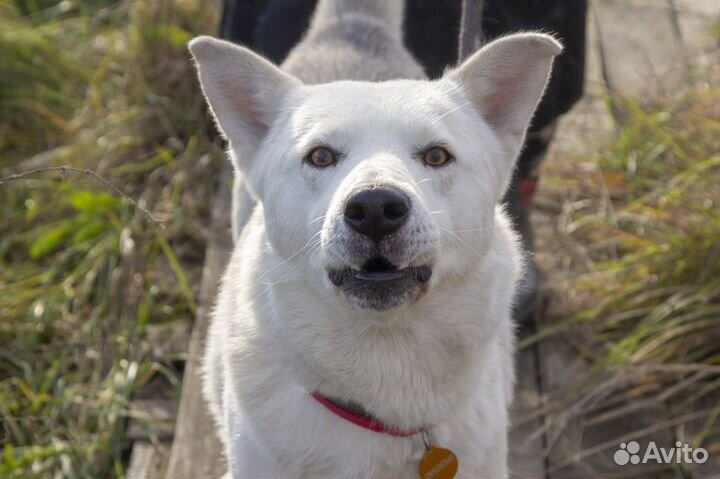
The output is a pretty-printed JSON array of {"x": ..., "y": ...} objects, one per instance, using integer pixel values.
[
  {"x": 380, "y": 285},
  {"x": 378, "y": 214}
]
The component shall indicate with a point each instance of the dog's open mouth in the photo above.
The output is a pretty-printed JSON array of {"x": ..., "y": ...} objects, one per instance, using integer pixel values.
[
  {"x": 380, "y": 270},
  {"x": 381, "y": 285}
]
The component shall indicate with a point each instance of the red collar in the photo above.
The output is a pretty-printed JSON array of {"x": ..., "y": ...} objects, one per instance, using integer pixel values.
[{"x": 361, "y": 418}]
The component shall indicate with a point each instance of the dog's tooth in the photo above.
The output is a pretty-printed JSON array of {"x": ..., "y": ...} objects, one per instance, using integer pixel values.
[{"x": 423, "y": 273}]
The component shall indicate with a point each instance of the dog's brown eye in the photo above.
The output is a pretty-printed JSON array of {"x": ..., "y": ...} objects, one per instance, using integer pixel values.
[
  {"x": 436, "y": 156},
  {"x": 321, "y": 157}
]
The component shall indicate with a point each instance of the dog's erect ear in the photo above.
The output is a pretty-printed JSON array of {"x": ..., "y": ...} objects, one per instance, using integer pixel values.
[
  {"x": 245, "y": 91},
  {"x": 505, "y": 80}
]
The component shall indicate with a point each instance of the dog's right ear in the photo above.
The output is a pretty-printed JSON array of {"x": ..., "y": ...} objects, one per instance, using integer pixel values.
[
  {"x": 245, "y": 91},
  {"x": 504, "y": 81}
]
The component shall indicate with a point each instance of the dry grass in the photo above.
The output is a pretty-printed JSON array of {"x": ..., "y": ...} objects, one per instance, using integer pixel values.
[
  {"x": 635, "y": 283},
  {"x": 109, "y": 87}
]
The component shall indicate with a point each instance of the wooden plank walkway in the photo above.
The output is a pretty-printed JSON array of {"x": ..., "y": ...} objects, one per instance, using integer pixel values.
[
  {"x": 633, "y": 45},
  {"x": 195, "y": 452}
]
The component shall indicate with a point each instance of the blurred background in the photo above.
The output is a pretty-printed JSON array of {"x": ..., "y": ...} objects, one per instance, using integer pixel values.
[
  {"x": 108, "y": 171},
  {"x": 96, "y": 299}
]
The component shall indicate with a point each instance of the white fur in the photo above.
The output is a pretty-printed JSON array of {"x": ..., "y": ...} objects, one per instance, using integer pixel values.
[{"x": 443, "y": 358}]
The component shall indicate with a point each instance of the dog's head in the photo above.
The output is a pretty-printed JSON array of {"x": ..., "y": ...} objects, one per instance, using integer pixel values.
[{"x": 379, "y": 191}]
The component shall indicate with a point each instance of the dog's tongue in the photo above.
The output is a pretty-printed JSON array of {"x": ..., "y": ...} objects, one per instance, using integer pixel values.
[
  {"x": 379, "y": 275},
  {"x": 421, "y": 274},
  {"x": 379, "y": 269},
  {"x": 378, "y": 272}
]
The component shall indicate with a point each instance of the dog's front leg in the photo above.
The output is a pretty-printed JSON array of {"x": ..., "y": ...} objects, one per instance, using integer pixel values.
[{"x": 247, "y": 456}]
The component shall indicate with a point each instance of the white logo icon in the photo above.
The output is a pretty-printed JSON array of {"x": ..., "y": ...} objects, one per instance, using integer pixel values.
[{"x": 629, "y": 453}]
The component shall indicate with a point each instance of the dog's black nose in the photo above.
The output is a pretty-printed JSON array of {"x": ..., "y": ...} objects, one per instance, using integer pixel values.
[{"x": 377, "y": 212}]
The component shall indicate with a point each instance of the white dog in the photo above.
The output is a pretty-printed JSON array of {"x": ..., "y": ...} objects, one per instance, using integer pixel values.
[{"x": 368, "y": 296}]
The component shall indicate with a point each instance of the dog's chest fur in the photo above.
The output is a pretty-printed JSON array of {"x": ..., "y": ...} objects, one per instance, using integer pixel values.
[{"x": 261, "y": 379}]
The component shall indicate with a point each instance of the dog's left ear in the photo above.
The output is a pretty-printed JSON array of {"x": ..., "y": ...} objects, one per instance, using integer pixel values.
[
  {"x": 245, "y": 91},
  {"x": 505, "y": 80}
]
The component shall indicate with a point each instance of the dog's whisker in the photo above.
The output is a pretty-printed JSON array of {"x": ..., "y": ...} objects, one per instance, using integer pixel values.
[
  {"x": 418, "y": 183},
  {"x": 319, "y": 218},
  {"x": 458, "y": 107},
  {"x": 309, "y": 249},
  {"x": 291, "y": 257},
  {"x": 484, "y": 228}
]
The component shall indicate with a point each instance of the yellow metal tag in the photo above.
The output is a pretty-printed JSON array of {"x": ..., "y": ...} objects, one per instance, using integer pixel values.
[{"x": 438, "y": 463}]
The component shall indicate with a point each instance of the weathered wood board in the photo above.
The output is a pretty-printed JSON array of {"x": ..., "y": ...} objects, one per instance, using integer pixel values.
[{"x": 196, "y": 448}]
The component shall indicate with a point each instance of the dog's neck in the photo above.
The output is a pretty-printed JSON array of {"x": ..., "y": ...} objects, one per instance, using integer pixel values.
[
  {"x": 410, "y": 374},
  {"x": 413, "y": 366}
]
